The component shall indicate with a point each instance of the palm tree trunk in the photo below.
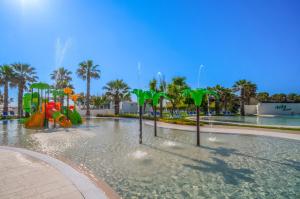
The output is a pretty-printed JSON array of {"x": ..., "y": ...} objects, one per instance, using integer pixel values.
[
  {"x": 5, "y": 105},
  {"x": 117, "y": 105},
  {"x": 198, "y": 126},
  {"x": 173, "y": 109},
  {"x": 67, "y": 106},
  {"x": 88, "y": 113},
  {"x": 161, "y": 107},
  {"x": 61, "y": 100},
  {"x": 20, "y": 100},
  {"x": 242, "y": 101},
  {"x": 145, "y": 104},
  {"x": 217, "y": 102}
]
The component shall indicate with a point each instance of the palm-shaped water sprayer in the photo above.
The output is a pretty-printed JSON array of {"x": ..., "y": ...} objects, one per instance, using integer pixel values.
[
  {"x": 197, "y": 95},
  {"x": 155, "y": 96},
  {"x": 142, "y": 96}
]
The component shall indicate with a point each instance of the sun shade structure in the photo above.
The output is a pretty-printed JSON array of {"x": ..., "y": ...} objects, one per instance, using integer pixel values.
[
  {"x": 155, "y": 96},
  {"x": 142, "y": 96},
  {"x": 198, "y": 95}
]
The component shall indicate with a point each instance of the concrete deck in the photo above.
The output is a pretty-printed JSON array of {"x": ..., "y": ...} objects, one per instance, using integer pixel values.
[
  {"x": 229, "y": 130},
  {"x": 27, "y": 174}
]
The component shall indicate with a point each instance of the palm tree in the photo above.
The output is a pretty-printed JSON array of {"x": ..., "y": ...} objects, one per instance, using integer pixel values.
[
  {"x": 62, "y": 79},
  {"x": 263, "y": 96},
  {"x": 153, "y": 85},
  {"x": 86, "y": 71},
  {"x": 1, "y": 98},
  {"x": 175, "y": 88},
  {"x": 247, "y": 90},
  {"x": 292, "y": 97},
  {"x": 6, "y": 79},
  {"x": 99, "y": 100},
  {"x": 25, "y": 75},
  {"x": 162, "y": 88},
  {"x": 225, "y": 95},
  {"x": 117, "y": 90},
  {"x": 279, "y": 98}
]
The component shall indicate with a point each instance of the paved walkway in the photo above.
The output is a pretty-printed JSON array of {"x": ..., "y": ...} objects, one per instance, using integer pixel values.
[
  {"x": 27, "y": 174},
  {"x": 229, "y": 130}
]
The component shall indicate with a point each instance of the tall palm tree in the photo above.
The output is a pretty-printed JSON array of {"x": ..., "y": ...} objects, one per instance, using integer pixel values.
[
  {"x": 153, "y": 87},
  {"x": 153, "y": 84},
  {"x": 175, "y": 88},
  {"x": 225, "y": 97},
  {"x": 162, "y": 88},
  {"x": 1, "y": 97},
  {"x": 6, "y": 79},
  {"x": 263, "y": 96},
  {"x": 86, "y": 71},
  {"x": 62, "y": 78},
  {"x": 117, "y": 90},
  {"x": 25, "y": 75},
  {"x": 98, "y": 101},
  {"x": 279, "y": 98},
  {"x": 247, "y": 90},
  {"x": 292, "y": 97}
]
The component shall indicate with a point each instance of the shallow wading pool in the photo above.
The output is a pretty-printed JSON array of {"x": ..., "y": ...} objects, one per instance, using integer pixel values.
[
  {"x": 170, "y": 165},
  {"x": 292, "y": 121}
]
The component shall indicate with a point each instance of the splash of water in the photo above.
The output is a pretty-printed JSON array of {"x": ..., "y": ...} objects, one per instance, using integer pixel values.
[
  {"x": 139, "y": 70},
  {"x": 212, "y": 139},
  {"x": 169, "y": 143},
  {"x": 199, "y": 71},
  {"x": 138, "y": 154},
  {"x": 161, "y": 79}
]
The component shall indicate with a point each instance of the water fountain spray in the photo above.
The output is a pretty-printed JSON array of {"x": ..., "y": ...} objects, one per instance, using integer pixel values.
[{"x": 199, "y": 72}]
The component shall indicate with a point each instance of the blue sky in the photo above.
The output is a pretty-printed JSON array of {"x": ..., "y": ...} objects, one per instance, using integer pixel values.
[{"x": 257, "y": 40}]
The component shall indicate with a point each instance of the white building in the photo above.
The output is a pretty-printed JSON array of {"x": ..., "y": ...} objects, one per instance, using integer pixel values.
[
  {"x": 273, "y": 109},
  {"x": 12, "y": 110},
  {"x": 126, "y": 107}
]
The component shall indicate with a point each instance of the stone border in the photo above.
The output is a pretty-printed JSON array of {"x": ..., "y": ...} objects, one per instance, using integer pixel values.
[{"x": 84, "y": 185}]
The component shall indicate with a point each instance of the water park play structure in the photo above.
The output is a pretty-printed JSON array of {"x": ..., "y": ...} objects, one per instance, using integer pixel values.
[{"x": 41, "y": 107}]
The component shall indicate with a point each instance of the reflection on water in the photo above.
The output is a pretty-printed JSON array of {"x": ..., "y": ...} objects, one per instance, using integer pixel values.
[{"x": 170, "y": 166}]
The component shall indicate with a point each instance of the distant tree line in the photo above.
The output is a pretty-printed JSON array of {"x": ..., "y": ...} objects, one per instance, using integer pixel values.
[{"x": 21, "y": 75}]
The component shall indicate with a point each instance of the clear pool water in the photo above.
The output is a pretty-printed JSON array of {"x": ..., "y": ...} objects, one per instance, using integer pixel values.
[
  {"x": 170, "y": 166},
  {"x": 291, "y": 120}
]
